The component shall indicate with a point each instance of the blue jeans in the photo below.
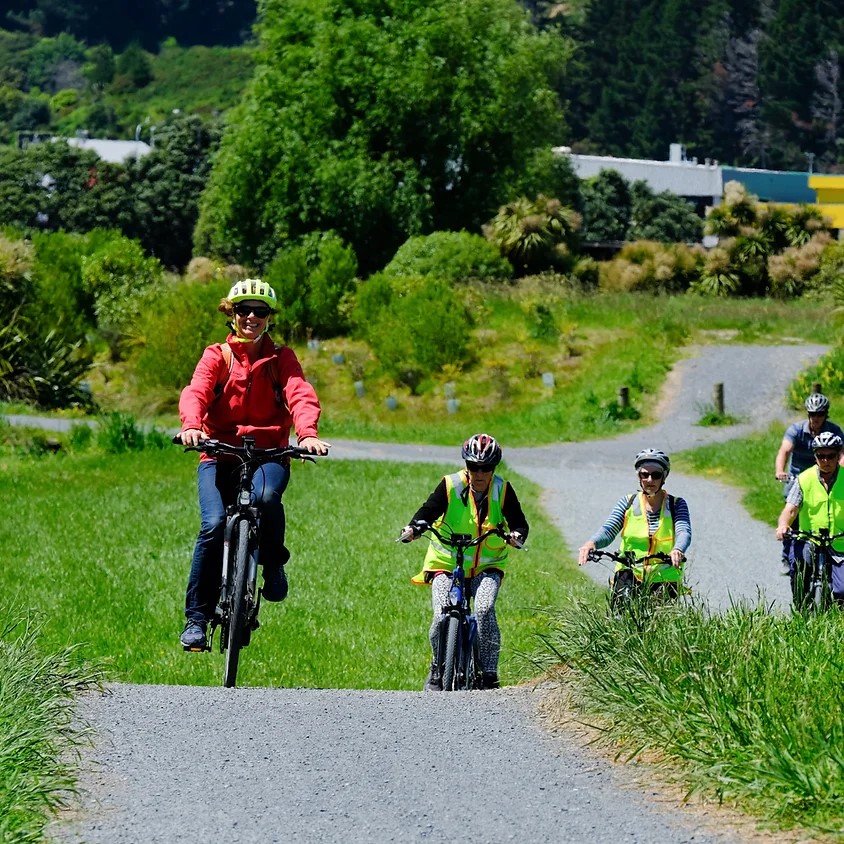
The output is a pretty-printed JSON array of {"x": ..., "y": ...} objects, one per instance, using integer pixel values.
[{"x": 217, "y": 483}]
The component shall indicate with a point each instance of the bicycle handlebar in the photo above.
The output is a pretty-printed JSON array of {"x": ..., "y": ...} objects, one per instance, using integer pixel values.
[
  {"x": 247, "y": 451},
  {"x": 463, "y": 540},
  {"x": 823, "y": 536},
  {"x": 629, "y": 558}
]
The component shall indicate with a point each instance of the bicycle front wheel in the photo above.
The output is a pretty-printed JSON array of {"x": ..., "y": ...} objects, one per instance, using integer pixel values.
[
  {"x": 452, "y": 654},
  {"x": 238, "y": 573},
  {"x": 471, "y": 664},
  {"x": 823, "y": 582}
]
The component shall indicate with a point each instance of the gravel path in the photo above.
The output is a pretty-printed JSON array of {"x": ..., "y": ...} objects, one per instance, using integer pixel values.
[{"x": 174, "y": 764}]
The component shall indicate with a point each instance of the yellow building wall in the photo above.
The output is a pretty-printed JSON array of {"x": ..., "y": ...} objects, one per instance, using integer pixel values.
[{"x": 830, "y": 193}]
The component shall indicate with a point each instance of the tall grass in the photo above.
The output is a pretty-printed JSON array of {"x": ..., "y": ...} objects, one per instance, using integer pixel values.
[
  {"x": 37, "y": 731},
  {"x": 747, "y": 704},
  {"x": 119, "y": 542}
]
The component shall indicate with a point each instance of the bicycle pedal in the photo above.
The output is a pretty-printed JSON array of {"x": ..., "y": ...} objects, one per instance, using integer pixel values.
[{"x": 195, "y": 650}]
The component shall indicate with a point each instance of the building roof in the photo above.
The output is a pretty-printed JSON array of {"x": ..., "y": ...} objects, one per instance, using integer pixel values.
[
  {"x": 683, "y": 177},
  {"x": 114, "y": 151}
]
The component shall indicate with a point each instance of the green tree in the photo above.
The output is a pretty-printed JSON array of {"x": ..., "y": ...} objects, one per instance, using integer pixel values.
[
  {"x": 607, "y": 206},
  {"x": 312, "y": 280},
  {"x": 166, "y": 185},
  {"x": 664, "y": 217},
  {"x": 380, "y": 120}
]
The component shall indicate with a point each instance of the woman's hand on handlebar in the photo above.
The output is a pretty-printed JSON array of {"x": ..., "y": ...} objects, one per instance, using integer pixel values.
[
  {"x": 192, "y": 437},
  {"x": 412, "y": 531},
  {"x": 583, "y": 552},
  {"x": 314, "y": 445},
  {"x": 677, "y": 558}
]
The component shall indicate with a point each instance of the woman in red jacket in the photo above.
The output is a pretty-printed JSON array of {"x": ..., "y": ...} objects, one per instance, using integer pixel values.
[{"x": 247, "y": 385}]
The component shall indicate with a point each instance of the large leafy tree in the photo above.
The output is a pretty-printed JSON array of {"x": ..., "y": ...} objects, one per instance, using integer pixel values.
[{"x": 381, "y": 119}]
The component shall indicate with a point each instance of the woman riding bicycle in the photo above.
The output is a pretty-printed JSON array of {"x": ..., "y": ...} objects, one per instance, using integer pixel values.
[
  {"x": 245, "y": 386},
  {"x": 649, "y": 520},
  {"x": 817, "y": 499},
  {"x": 470, "y": 502}
]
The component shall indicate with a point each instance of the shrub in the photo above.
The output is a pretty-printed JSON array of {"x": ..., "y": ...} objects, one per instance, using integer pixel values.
[
  {"x": 415, "y": 325},
  {"x": 792, "y": 271},
  {"x": 535, "y": 235},
  {"x": 173, "y": 330},
  {"x": 450, "y": 256},
  {"x": 652, "y": 267},
  {"x": 117, "y": 276},
  {"x": 313, "y": 281}
]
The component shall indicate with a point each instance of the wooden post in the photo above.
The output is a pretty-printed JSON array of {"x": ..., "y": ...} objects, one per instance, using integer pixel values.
[
  {"x": 718, "y": 399},
  {"x": 816, "y": 387},
  {"x": 623, "y": 397}
]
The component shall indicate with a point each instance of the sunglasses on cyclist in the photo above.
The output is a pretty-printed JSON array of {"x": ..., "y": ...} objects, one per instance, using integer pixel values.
[
  {"x": 829, "y": 455},
  {"x": 479, "y": 467},
  {"x": 657, "y": 476},
  {"x": 260, "y": 311}
]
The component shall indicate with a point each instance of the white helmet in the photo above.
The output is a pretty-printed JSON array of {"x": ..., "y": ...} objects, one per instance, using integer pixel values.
[
  {"x": 817, "y": 403},
  {"x": 253, "y": 288},
  {"x": 653, "y": 455},
  {"x": 827, "y": 439}
]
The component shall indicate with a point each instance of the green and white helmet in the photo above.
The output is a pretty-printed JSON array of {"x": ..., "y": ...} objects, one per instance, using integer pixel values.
[{"x": 253, "y": 289}]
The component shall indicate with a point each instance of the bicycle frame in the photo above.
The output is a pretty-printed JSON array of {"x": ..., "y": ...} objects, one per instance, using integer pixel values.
[
  {"x": 239, "y": 600},
  {"x": 642, "y": 568},
  {"x": 819, "y": 594},
  {"x": 460, "y": 669}
]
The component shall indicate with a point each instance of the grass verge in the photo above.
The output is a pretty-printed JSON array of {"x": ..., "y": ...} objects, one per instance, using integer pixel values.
[
  {"x": 39, "y": 735},
  {"x": 119, "y": 542},
  {"x": 743, "y": 707}
]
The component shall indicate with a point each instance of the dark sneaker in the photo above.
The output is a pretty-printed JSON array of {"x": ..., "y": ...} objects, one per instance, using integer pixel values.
[
  {"x": 490, "y": 680},
  {"x": 275, "y": 584},
  {"x": 193, "y": 636},
  {"x": 434, "y": 682}
]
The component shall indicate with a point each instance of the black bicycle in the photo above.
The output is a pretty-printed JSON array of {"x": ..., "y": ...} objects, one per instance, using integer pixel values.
[
  {"x": 813, "y": 589},
  {"x": 638, "y": 576},
  {"x": 459, "y": 660},
  {"x": 236, "y": 613}
]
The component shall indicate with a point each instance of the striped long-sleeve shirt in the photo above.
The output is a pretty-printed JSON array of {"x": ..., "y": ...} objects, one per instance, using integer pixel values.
[{"x": 612, "y": 526}]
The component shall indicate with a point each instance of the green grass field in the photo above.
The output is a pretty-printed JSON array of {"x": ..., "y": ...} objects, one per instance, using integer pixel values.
[{"x": 101, "y": 545}]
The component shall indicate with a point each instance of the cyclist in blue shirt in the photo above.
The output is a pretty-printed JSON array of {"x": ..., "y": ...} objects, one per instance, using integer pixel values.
[{"x": 797, "y": 445}]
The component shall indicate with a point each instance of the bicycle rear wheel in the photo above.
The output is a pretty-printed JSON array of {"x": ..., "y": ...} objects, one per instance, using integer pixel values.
[
  {"x": 238, "y": 572},
  {"x": 452, "y": 654}
]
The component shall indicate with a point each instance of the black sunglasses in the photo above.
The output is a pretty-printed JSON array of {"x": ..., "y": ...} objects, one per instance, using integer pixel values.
[
  {"x": 657, "y": 476},
  {"x": 479, "y": 467},
  {"x": 829, "y": 455},
  {"x": 260, "y": 311}
]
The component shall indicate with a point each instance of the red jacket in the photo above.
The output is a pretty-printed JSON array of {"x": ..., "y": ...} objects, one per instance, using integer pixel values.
[{"x": 247, "y": 403}]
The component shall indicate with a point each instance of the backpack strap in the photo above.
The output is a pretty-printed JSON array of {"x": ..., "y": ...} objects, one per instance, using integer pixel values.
[{"x": 228, "y": 357}]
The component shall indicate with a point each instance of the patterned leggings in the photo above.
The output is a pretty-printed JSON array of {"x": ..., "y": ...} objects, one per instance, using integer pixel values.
[{"x": 484, "y": 590}]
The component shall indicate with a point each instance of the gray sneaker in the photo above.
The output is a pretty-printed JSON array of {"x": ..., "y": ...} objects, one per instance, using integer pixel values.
[{"x": 193, "y": 636}]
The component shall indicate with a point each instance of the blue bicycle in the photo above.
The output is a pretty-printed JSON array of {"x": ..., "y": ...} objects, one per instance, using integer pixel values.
[{"x": 459, "y": 658}]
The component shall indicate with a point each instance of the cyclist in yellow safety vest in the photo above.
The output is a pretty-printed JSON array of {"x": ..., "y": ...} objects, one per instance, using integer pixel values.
[
  {"x": 649, "y": 520},
  {"x": 470, "y": 501},
  {"x": 818, "y": 500}
]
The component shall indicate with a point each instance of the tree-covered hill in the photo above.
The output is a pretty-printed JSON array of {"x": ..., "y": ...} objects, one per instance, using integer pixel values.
[
  {"x": 118, "y": 23},
  {"x": 754, "y": 83}
]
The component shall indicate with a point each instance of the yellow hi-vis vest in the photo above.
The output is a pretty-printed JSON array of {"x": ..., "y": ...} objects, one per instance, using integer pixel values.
[
  {"x": 822, "y": 509},
  {"x": 463, "y": 518},
  {"x": 635, "y": 537}
]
